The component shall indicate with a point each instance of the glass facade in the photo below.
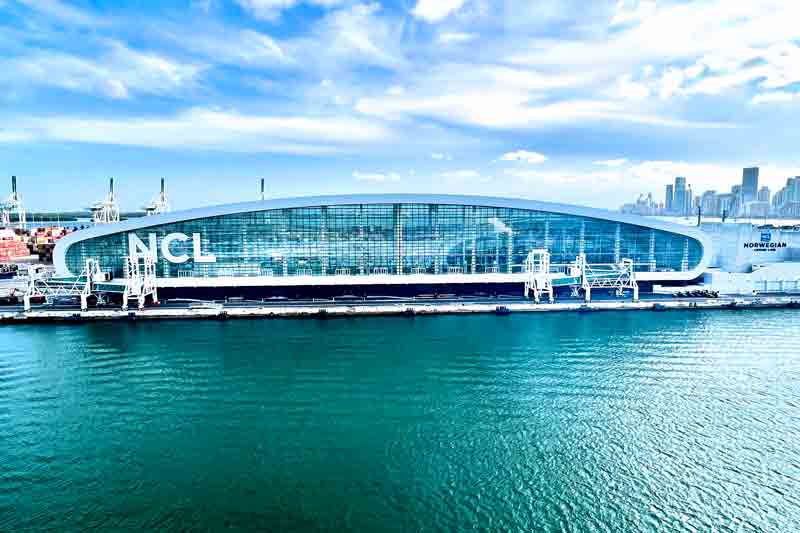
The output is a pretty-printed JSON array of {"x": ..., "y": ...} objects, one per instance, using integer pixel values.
[{"x": 394, "y": 239}]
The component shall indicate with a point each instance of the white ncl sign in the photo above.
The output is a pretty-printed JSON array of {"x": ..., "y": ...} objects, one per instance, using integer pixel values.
[{"x": 137, "y": 247}]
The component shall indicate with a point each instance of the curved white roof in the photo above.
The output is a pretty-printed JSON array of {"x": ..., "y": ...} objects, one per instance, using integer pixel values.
[{"x": 134, "y": 224}]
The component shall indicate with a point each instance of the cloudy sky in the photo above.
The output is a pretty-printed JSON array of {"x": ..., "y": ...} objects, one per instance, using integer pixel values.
[{"x": 562, "y": 100}]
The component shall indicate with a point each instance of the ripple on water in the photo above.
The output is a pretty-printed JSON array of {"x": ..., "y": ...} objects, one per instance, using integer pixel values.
[{"x": 595, "y": 422}]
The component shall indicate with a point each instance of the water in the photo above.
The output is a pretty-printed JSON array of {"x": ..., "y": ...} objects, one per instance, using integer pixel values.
[{"x": 678, "y": 421}]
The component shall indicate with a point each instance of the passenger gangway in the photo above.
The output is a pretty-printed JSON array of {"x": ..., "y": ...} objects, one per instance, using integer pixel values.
[
  {"x": 139, "y": 283},
  {"x": 580, "y": 276}
]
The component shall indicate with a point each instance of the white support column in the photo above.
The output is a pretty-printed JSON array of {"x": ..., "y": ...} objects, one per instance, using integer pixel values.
[
  {"x": 398, "y": 238},
  {"x": 539, "y": 281},
  {"x": 685, "y": 259},
  {"x": 323, "y": 241},
  {"x": 473, "y": 267},
  {"x": 547, "y": 243},
  {"x": 581, "y": 270},
  {"x": 433, "y": 213},
  {"x": 510, "y": 251},
  {"x": 473, "y": 237},
  {"x": 285, "y": 242},
  {"x": 497, "y": 252},
  {"x": 362, "y": 260}
]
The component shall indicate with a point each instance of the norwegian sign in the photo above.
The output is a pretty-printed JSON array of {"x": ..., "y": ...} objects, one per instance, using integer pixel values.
[
  {"x": 137, "y": 247},
  {"x": 765, "y": 244}
]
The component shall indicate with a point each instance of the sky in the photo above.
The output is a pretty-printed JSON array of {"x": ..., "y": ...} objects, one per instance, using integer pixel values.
[{"x": 571, "y": 101}]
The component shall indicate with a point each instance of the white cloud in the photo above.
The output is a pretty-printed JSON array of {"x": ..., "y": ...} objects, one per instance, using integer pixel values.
[
  {"x": 62, "y": 12},
  {"x": 494, "y": 96},
  {"x": 775, "y": 97},
  {"x": 241, "y": 47},
  {"x": 117, "y": 74},
  {"x": 558, "y": 177},
  {"x": 456, "y": 37},
  {"x": 358, "y": 34},
  {"x": 376, "y": 177},
  {"x": 436, "y": 10},
  {"x": 612, "y": 162},
  {"x": 715, "y": 47},
  {"x": 717, "y": 73},
  {"x": 271, "y": 9},
  {"x": 627, "y": 12},
  {"x": 212, "y": 129},
  {"x": 7, "y": 136},
  {"x": 441, "y": 157},
  {"x": 608, "y": 187},
  {"x": 461, "y": 174},
  {"x": 628, "y": 89},
  {"x": 650, "y": 175},
  {"x": 533, "y": 158}
]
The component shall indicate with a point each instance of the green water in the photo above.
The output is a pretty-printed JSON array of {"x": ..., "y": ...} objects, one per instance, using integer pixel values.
[{"x": 638, "y": 421}]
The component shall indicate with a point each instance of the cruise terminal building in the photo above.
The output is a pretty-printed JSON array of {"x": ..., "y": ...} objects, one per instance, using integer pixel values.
[{"x": 402, "y": 245}]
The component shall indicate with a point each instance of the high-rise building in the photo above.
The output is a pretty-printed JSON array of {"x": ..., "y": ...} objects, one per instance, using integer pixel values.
[
  {"x": 786, "y": 201},
  {"x": 708, "y": 203},
  {"x": 668, "y": 199},
  {"x": 679, "y": 203},
  {"x": 749, "y": 184},
  {"x": 763, "y": 194},
  {"x": 738, "y": 200},
  {"x": 725, "y": 204}
]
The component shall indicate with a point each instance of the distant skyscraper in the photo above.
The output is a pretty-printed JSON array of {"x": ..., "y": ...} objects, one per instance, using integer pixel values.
[
  {"x": 679, "y": 203},
  {"x": 709, "y": 203},
  {"x": 786, "y": 201},
  {"x": 738, "y": 201},
  {"x": 749, "y": 184},
  {"x": 763, "y": 194},
  {"x": 668, "y": 199}
]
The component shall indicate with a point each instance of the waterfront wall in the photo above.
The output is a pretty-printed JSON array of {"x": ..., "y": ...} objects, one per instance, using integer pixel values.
[
  {"x": 741, "y": 247},
  {"x": 220, "y": 312}
]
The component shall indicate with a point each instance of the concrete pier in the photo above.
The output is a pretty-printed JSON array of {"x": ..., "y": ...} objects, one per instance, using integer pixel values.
[{"x": 411, "y": 308}]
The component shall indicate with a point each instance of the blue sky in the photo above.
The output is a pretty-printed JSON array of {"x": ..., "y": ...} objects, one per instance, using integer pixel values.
[{"x": 561, "y": 100}]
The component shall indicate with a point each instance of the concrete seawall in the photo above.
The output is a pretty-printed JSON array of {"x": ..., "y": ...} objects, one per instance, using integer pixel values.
[{"x": 398, "y": 309}]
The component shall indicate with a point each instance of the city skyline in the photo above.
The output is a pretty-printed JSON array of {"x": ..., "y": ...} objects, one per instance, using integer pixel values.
[
  {"x": 744, "y": 199},
  {"x": 556, "y": 101}
]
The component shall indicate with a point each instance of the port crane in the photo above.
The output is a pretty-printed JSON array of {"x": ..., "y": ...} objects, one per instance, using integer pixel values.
[
  {"x": 106, "y": 211},
  {"x": 13, "y": 204},
  {"x": 159, "y": 204}
]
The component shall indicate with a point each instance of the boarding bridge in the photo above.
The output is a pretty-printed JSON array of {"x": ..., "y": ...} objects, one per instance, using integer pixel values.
[
  {"x": 540, "y": 279},
  {"x": 139, "y": 282},
  {"x": 580, "y": 276}
]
